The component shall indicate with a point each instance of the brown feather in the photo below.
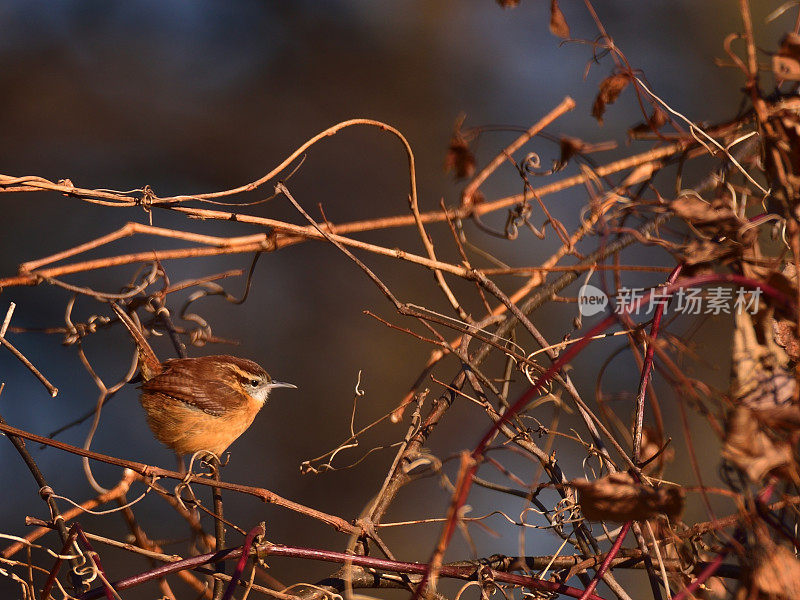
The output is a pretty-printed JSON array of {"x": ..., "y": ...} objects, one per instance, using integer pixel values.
[
  {"x": 148, "y": 362},
  {"x": 217, "y": 392}
]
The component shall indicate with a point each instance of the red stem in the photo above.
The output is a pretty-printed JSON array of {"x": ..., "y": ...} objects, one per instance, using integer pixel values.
[
  {"x": 704, "y": 575},
  {"x": 237, "y": 572},
  {"x": 264, "y": 550},
  {"x": 51, "y": 578},
  {"x": 607, "y": 561},
  {"x": 647, "y": 370}
]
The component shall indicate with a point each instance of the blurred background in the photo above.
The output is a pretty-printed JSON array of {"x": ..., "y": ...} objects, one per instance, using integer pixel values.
[{"x": 192, "y": 97}]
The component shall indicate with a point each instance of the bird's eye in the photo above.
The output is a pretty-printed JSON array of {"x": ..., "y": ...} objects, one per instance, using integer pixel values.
[{"x": 254, "y": 382}]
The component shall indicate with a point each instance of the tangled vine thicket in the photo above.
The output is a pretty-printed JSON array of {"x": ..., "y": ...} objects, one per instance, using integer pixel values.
[{"x": 734, "y": 234}]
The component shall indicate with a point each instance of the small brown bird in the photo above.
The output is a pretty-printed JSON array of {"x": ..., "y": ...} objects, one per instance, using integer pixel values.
[{"x": 204, "y": 403}]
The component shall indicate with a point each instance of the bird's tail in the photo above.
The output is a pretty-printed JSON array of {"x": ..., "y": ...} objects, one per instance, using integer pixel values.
[{"x": 149, "y": 364}]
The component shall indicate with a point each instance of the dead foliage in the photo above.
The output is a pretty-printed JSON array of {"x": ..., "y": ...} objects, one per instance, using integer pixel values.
[
  {"x": 610, "y": 89},
  {"x": 619, "y": 497},
  {"x": 558, "y": 24}
]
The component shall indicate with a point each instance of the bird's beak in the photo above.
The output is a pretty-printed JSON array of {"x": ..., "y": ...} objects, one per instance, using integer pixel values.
[{"x": 275, "y": 384}]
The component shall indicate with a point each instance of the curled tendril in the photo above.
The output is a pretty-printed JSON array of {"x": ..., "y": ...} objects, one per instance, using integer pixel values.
[{"x": 531, "y": 163}]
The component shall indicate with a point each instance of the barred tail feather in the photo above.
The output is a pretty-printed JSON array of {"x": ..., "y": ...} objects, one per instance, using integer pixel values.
[{"x": 148, "y": 362}]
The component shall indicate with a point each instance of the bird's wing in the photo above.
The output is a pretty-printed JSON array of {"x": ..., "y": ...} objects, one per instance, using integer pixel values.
[{"x": 180, "y": 381}]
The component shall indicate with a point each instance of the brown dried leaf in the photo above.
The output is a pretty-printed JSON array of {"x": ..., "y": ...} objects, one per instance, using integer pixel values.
[
  {"x": 674, "y": 546},
  {"x": 786, "y": 63},
  {"x": 558, "y": 24},
  {"x": 610, "y": 89},
  {"x": 460, "y": 158},
  {"x": 618, "y": 497},
  {"x": 570, "y": 146},
  {"x": 654, "y": 122},
  {"x": 752, "y": 450},
  {"x": 777, "y": 575}
]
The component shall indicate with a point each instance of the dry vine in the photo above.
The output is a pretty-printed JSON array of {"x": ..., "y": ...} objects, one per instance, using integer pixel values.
[{"x": 733, "y": 235}]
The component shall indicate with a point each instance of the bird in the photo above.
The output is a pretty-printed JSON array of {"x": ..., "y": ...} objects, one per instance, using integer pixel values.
[{"x": 198, "y": 404}]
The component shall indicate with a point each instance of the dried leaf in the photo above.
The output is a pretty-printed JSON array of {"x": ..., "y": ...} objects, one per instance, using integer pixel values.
[
  {"x": 558, "y": 24},
  {"x": 777, "y": 575},
  {"x": 460, "y": 158},
  {"x": 610, "y": 89},
  {"x": 570, "y": 146},
  {"x": 618, "y": 497},
  {"x": 508, "y": 3},
  {"x": 786, "y": 63},
  {"x": 771, "y": 389},
  {"x": 684, "y": 550},
  {"x": 752, "y": 450},
  {"x": 654, "y": 122}
]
